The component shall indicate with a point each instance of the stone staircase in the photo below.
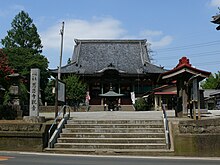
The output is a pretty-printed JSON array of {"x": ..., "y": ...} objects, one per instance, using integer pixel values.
[{"x": 112, "y": 137}]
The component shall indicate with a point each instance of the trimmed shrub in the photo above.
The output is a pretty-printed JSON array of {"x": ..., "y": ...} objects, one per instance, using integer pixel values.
[{"x": 141, "y": 105}]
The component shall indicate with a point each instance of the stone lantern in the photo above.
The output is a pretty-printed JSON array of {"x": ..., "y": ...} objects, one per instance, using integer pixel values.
[{"x": 14, "y": 92}]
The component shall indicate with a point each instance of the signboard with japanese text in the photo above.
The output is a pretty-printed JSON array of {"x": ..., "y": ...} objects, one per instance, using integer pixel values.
[
  {"x": 61, "y": 91},
  {"x": 34, "y": 92},
  {"x": 195, "y": 90}
]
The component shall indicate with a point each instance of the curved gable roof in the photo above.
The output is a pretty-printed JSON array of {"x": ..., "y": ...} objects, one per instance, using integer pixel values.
[{"x": 128, "y": 56}]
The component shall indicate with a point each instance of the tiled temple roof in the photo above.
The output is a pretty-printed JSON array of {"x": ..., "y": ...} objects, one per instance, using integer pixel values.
[{"x": 96, "y": 56}]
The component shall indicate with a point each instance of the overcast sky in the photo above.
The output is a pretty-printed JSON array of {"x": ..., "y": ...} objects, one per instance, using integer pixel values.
[{"x": 174, "y": 28}]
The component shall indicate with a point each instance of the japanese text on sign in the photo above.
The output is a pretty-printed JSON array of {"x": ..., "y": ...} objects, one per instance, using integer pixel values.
[{"x": 34, "y": 92}]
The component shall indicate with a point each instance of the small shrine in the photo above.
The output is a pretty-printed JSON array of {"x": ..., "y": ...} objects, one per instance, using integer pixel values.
[{"x": 187, "y": 82}]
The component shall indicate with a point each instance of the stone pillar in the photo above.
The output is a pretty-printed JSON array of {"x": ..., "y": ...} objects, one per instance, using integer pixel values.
[{"x": 34, "y": 92}]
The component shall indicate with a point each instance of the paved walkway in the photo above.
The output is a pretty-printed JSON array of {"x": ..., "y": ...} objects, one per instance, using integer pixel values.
[
  {"x": 118, "y": 115},
  {"x": 126, "y": 114},
  {"x": 115, "y": 115}
]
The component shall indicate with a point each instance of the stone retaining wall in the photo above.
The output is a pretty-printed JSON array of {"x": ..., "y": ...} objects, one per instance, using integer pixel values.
[
  {"x": 52, "y": 109},
  {"x": 23, "y": 136},
  {"x": 48, "y": 108},
  {"x": 196, "y": 138}
]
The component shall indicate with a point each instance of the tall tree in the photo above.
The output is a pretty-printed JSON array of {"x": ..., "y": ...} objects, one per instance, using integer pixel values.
[
  {"x": 213, "y": 82},
  {"x": 23, "y": 34},
  {"x": 23, "y": 47}
]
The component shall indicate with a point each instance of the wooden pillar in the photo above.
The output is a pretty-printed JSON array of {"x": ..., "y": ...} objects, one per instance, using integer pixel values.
[
  {"x": 185, "y": 100},
  {"x": 155, "y": 102},
  {"x": 199, "y": 112},
  {"x": 196, "y": 99},
  {"x": 160, "y": 102},
  {"x": 179, "y": 109},
  {"x": 194, "y": 110},
  {"x": 182, "y": 110}
]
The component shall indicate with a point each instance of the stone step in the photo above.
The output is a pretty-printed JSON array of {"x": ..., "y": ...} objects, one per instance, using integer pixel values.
[
  {"x": 146, "y": 122},
  {"x": 112, "y": 135},
  {"x": 113, "y": 130},
  {"x": 75, "y": 126},
  {"x": 111, "y": 145},
  {"x": 111, "y": 140},
  {"x": 134, "y": 152}
]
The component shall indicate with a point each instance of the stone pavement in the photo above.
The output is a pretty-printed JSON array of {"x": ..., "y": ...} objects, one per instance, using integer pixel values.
[
  {"x": 126, "y": 114},
  {"x": 115, "y": 115},
  {"x": 214, "y": 113}
]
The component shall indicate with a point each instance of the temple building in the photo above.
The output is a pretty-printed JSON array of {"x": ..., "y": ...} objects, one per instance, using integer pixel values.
[{"x": 123, "y": 65}]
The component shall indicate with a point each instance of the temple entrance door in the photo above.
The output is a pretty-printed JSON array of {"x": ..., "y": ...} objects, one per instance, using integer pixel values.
[{"x": 110, "y": 80}]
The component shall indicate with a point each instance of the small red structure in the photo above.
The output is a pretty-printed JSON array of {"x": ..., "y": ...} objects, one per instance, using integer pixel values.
[{"x": 187, "y": 82}]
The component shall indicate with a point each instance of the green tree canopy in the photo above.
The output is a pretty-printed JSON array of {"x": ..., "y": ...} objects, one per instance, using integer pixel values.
[
  {"x": 22, "y": 60},
  {"x": 75, "y": 89},
  {"x": 23, "y": 34},
  {"x": 213, "y": 82},
  {"x": 23, "y": 46}
]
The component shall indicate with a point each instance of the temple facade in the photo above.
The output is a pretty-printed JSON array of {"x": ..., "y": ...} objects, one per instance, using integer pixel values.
[{"x": 124, "y": 65}]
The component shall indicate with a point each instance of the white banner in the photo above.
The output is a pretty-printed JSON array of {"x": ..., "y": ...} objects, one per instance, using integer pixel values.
[{"x": 133, "y": 97}]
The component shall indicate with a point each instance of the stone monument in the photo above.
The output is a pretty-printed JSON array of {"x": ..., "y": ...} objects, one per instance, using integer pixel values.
[
  {"x": 34, "y": 92},
  {"x": 34, "y": 97}
]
